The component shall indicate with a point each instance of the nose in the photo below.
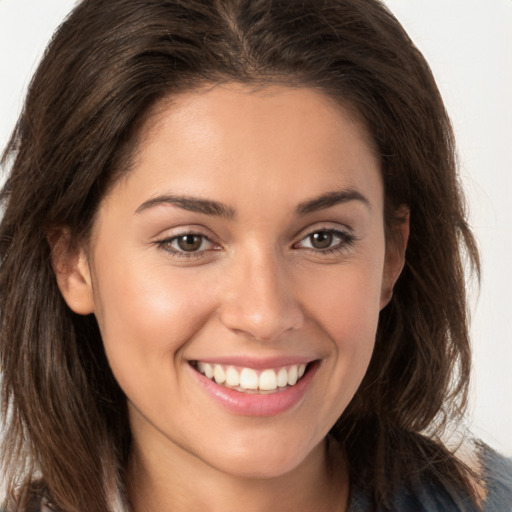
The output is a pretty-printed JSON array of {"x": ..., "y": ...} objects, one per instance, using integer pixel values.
[{"x": 259, "y": 301}]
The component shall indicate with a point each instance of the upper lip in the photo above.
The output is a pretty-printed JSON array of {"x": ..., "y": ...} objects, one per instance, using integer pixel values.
[{"x": 257, "y": 363}]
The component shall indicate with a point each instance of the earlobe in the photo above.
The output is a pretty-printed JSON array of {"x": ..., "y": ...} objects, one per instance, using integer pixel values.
[
  {"x": 71, "y": 268},
  {"x": 396, "y": 246}
]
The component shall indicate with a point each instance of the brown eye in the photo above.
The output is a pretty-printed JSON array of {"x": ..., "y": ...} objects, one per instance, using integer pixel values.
[
  {"x": 187, "y": 245},
  {"x": 190, "y": 242},
  {"x": 326, "y": 241},
  {"x": 321, "y": 239}
]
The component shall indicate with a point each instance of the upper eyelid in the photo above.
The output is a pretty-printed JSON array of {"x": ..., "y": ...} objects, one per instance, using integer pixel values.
[
  {"x": 172, "y": 238},
  {"x": 176, "y": 232},
  {"x": 303, "y": 233},
  {"x": 336, "y": 232},
  {"x": 164, "y": 244}
]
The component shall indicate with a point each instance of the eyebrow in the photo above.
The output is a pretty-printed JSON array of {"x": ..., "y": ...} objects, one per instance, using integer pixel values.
[
  {"x": 331, "y": 199},
  {"x": 192, "y": 204},
  {"x": 216, "y": 208}
]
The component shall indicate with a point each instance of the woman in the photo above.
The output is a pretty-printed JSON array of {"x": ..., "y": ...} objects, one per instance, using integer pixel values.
[{"x": 232, "y": 264}]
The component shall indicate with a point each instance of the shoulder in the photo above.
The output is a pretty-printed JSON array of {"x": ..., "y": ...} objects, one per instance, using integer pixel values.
[
  {"x": 426, "y": 496},
  {"x": 497, "y": 477}
]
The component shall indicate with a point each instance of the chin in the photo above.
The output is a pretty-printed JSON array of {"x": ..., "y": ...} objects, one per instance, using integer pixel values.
[{"x": 254, "y": 461}]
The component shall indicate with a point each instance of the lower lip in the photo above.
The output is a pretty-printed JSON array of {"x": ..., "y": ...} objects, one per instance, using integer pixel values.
[{"x": 255, "y": 404}]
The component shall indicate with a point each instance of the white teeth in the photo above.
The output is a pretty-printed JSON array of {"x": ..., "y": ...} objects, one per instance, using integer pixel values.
[
  {"x": 232, "y": 377},
  {"x": 282, "y": 378},
  {"x": 218, "y": 374},
  {"x": 208, "y": 370},
  {"x": 248, "y": 378},
  {"x": 205, "y": 369},
  {"x": 268, "y": 380},
  {"x": 293, "y": 375}
]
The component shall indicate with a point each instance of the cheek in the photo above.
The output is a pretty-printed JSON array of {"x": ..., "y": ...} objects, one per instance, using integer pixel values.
[
  {"x": 347, "y": 304},
  {"x": 347, "y": 309},
  {"x": 146, "y": 314}
]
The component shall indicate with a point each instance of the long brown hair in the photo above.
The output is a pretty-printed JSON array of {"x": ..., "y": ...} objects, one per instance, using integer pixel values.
[{"x": 66, "y": 429}]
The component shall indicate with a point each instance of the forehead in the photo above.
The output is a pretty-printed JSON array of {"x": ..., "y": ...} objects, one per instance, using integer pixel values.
[
  {"x": 277, "y": 106},
  {"x": 227, "y": 140}
]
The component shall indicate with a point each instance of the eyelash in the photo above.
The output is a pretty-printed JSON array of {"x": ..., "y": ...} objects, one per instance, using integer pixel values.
[
  {"x": 345, "y": 241},
  {"x": 165, "y": 245}
]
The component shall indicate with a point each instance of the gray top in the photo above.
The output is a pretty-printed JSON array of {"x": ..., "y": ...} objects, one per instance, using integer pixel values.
[
  {"x": 427, "y": 497},
  {"x": 434, "y": 498}
]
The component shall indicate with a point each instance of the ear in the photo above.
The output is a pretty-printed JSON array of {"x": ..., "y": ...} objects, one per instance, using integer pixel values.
[
  {"x": 71, "y": 268},
  {"x": 396, "y": 245}
]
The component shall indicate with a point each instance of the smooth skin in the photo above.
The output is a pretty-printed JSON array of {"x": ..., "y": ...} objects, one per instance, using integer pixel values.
[{"x": 215, "y": 244}]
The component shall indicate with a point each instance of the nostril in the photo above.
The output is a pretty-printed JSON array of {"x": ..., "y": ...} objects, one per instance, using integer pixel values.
[{"x": 268, "y": 325}]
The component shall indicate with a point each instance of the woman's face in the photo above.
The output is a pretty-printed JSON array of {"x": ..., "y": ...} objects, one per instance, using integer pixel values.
[{"x": 237, "y": 273}]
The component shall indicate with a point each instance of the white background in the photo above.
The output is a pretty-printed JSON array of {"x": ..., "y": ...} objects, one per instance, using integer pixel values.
[{"x": 468, "y": 44}]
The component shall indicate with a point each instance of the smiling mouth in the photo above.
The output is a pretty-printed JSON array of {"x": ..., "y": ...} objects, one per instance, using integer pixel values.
[{"x": 249, "y": 380}]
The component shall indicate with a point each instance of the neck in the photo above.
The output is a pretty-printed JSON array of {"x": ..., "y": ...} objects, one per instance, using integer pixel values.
[{"x": 320, "y": 482}]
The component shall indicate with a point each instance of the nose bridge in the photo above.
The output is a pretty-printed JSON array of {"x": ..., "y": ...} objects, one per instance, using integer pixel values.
[{"x": 260, "y": 301}]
